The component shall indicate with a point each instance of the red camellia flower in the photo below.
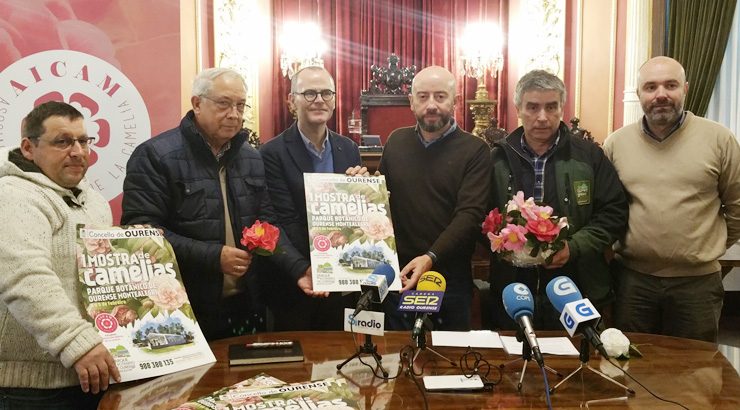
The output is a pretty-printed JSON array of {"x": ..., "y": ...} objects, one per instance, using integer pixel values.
[
  {"x": 261, "y": 238},
  {"x": 492, "y": 223},
  {"x": 543, "y": 229}
]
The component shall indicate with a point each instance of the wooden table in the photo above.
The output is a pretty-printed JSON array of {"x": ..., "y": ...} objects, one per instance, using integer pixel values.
[
  {"x": 731, "y": 258},
  {"x": 691, "y": 372}
]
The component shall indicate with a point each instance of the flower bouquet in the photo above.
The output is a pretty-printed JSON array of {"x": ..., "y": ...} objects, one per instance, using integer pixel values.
[
  {"x": 527, "y": 234},
  {"x": 261, "y": 238}
]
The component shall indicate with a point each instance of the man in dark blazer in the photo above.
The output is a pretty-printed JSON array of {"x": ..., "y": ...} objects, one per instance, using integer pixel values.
[{"x": 307, "y": 146}]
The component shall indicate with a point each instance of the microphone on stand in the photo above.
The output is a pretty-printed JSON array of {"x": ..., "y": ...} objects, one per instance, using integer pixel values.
[
  {"x": 519, "y": 305},
  {"x": 577, "y": 314},
  {"x": 429, "y": 293},
  {"x": 375, "y": 287},
  {"x": 425, "y": 299}
]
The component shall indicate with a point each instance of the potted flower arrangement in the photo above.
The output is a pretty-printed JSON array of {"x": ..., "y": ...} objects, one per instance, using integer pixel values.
[{"x": 527, "y": 234}]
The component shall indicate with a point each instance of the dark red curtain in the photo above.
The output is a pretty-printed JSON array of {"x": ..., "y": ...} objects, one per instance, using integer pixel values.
[{"x": 361, "y": 33}]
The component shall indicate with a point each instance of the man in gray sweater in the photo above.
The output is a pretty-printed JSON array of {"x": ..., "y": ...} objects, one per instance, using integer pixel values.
[{"x": 48, "y": 349}]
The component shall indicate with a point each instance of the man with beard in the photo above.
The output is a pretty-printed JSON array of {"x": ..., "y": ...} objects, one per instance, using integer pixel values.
[
  {"x": 682, "y": 176},
  {"x": 438, "y": 177}
]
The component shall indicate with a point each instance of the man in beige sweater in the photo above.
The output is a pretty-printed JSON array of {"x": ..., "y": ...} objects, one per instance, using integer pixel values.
[
  {"x": 50, "y": 354},
  {"x": 682, "y": 176}
]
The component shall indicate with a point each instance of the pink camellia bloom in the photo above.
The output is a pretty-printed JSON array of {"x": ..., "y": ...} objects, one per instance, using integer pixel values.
[
  {"x": 124, "y": 315},
  {"x": 514, "y": 239},
  {"x": 537, "y": 213},
  {"x": 544, "y": 230},
  {"x": 377, "y": 226},
  {"x": 261, "y": 238},
  {"x": 493, "y": 221},
  {"x": 166, "y": 292},
  {"x": 497, "y": 242},
  {"x": 518, "y": 203}
]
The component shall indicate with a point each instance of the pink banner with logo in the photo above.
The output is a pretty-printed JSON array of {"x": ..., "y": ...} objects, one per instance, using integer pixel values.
[{"x": 117, "y": 61}]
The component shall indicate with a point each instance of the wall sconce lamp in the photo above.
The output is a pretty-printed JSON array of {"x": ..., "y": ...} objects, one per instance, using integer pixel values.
[
  {"x": 481, "y": 45},
  {"x": 302, "y": 46}
]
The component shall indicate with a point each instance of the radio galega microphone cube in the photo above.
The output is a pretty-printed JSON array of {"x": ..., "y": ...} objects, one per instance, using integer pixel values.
[{"x": 577, "y": 313}]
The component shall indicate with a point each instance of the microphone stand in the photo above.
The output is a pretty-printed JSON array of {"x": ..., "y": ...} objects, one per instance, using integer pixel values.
[
  {"x": 368, "y": 348},
  {"x": 527, "y": 358},
  {"x": 421, "y": 344},
  {"x": 583, "y": 356}
]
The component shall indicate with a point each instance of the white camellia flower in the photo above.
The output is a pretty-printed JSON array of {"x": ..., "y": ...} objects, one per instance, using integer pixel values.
[{"x": 615, "y": 342}]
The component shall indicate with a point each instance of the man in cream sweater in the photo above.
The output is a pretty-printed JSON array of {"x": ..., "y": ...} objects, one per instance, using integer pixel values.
[
  {"x": 682, "y": 176},
  {"x": 50, "y": 354}
]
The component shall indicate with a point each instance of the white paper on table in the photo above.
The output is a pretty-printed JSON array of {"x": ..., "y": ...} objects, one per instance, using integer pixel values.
[
  {"x": 474, "y": 338},
  {"x": 560, "y": 346}
]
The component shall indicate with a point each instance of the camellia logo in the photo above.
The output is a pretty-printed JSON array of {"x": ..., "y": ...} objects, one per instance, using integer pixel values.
[{"x": 115, "y": 113}]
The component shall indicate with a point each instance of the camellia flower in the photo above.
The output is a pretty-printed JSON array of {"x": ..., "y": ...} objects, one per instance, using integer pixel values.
[
  {"x": 261, "y": 238},
  {"x": 492, "y": 222},
  {"x": 514, "y": 237},
  {"x": 124, "y": 314},
  {"x": 166, "y": 292},
  {"x": 615, "y": 342},
  {"x": 377, "y": 226},
  {"x": 543, "y": 229},
  {"x": 497, "y": 241},
  {"x": 531, "y": 233},
  {"x": 537, "y": 213}
]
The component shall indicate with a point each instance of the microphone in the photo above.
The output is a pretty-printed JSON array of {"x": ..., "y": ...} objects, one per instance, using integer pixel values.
[
  {"x": 519, "y": 305},
  {"x": 375, "y": 287},
  {"x": 577, "y": 314},
  {"x": 433, "y": 284}
]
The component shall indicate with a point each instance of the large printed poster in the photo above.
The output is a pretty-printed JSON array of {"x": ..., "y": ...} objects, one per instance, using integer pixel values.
[
  {"x": 132, "y": 290},
  {"x": 350, "y": 230}
]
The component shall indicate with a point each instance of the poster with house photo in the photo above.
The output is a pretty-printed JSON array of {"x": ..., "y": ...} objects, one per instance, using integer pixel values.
[{"x": 350, "y": 230}]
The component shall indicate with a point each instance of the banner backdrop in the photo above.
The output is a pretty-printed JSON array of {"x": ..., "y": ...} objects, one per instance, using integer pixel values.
[{"x": 117, "y": 61}]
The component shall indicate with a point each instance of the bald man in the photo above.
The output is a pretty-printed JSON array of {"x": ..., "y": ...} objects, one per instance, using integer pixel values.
[
  {"x": 438, "y": 177},
  {"x": 682, "y": 175}
]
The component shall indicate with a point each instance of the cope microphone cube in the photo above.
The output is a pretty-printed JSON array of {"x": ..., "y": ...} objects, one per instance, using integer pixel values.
[
  {"x": 427, "y": 298},
  {"x": 577, "y": 313}
]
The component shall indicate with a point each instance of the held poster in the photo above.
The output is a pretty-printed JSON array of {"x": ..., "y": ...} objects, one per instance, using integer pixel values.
[
  {"x": 133, "y": 292},
  {"x": 350, "y": 230}
]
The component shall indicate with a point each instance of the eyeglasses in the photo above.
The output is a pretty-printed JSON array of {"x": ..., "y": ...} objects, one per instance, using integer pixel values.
[
  {"x": 65, "y": 143},
  {"x": 310, "y": 95},
  {"x": 225, "y": 105}
]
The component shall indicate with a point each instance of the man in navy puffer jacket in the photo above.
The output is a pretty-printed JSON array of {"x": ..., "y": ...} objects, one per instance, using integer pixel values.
[{"x": 202, "y": 183}]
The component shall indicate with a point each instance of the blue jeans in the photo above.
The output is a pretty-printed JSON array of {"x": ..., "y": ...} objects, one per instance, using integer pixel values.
[{"x": 72, "y": 398}]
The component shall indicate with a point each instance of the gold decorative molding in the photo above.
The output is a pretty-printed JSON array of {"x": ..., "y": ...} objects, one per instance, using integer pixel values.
[
  {"x": 612, "y": 68},
  {"x": 546, "y": 29},
  {"x": 235, "y": 22},
  {"x": 579, "y": 59}
]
